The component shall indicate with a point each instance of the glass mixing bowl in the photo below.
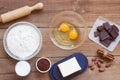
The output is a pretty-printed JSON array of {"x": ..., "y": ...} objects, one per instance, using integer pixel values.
[
  {"x": 72, "y": 18},
  {"x": 11, "y": 54}
]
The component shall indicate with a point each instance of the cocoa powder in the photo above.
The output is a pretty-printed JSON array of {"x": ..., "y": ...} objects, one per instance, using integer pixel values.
[{"x": 43, "y": 64}]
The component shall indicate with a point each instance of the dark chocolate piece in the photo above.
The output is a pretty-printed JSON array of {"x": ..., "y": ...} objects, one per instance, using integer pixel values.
[
  {"x": 96, "y": 34},
  {"x": 115, "y": 28},
  {"x": 107, "y": 26},
  {"x": 110, "y": 38},
  {"x": 113, "y": 33},
  {"x": 106, "y": 42},
  {"x": 103, "y": 35},
  {"x": 100, "y": 28}
]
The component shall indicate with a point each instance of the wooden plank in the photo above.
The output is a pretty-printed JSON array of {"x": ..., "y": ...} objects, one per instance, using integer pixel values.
[
  {"x": 90, "y": 10},
  {"x": 32, "y": 76},
  {"x": 7, "y": 71}
]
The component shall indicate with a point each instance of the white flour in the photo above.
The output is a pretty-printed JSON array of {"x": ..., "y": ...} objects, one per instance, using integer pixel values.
[{"x": 23, "y": 40}]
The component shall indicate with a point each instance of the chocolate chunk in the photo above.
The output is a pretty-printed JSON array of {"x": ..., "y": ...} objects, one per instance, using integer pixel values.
[
  {"x": 96, "y": 34},
  {"x": 110, "y": 38},
  {"x": 107, "y": 26},
  {"x": 100, "y": 28},
  {"x": 106, "y": 42},
  {"x": 113, "y": 33},
  {"x": 103, "y": 35},
  {"x": 115, "y": 28}
]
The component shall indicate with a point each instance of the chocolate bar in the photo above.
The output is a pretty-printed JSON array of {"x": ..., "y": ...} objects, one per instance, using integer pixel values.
[
  {"x": 115, "y": 28},
  {"x": 100, "y": 28},
  {"x": 103, "y": 35},
  {"x": 107, "y": 33},
  {"x": 96, "y": 34},
  {"x": 113, "y": 33},
  {"x": 107, "y": 26},
  {"x": 106, "y": 42}
]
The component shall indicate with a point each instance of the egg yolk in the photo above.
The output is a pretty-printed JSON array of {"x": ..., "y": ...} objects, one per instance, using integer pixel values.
[
  {"x": 73, "y": 34},
  {"x": 64, "y": 27}
]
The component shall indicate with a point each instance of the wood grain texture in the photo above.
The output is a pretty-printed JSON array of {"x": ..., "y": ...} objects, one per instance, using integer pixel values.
[
  {"x": 89, "y": 9},
  {"x": 7, "y": 73}
]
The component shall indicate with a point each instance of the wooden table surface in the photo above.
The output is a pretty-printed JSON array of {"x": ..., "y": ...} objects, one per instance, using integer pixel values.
[{"x": 89, "y": 9}]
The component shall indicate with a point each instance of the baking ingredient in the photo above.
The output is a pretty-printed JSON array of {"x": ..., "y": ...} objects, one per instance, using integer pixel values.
[
  {"x": 102, "y": 61},
  {"x": 106, "y": 54},
  {"x": 67, "y": 34},
  {"x": 108, "y": 64},
  {"x": 94, "y": 59},
  {"x": 22, "y": 68},
  {"x": 107, "y": 33},
  {"x": 69, "y": 67},
  {"x": 99, "y": 64},
  {"x": 101, "y": 69},
  {"x": 64, "y": 27},
  {"x": 73, "y": 34},
  {"x": 103, "y": 35},
  {"x": 43, "y": 64},
  {"x": 92, "y": 68},
  {"x": 23, "y": 40}
]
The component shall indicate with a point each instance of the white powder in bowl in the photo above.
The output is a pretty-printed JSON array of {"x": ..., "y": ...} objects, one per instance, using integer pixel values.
[
  {"x": 22, "y": 68},
  {"x": 22, "y": 40}
]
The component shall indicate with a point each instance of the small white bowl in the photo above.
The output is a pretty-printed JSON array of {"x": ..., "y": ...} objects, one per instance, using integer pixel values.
[
  {"x": 41, "y": 70},
  {"x": 22, "y": 68}
]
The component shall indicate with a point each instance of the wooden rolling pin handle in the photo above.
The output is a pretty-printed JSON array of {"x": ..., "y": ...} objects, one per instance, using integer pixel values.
[
  {"x": 38, "y": 6},
  {"x": 20, "y": 12}
]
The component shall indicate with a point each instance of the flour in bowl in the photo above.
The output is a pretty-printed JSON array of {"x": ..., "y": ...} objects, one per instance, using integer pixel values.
[{"x": 22, "y": 40}]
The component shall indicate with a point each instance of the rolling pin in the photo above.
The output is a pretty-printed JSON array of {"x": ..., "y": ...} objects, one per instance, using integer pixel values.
[{"x": 20, "y": 12}]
